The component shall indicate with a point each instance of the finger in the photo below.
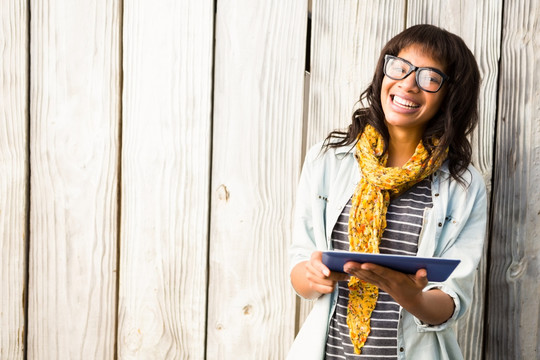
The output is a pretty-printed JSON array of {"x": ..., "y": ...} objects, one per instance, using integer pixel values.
[
  {"x": 338, "y": 276},
  {"x": 378, "y": 269},
  {"x": 317, "y": 279},
  {"x": 421, "y": 274},
  {"x": 351, "y": 266},
  {"x": 318, "y": 269},
  {"x": 320, "y": 284},
  {"x": 421, "y": 277},
  {"x": 373, "y": 278},
  {"x": 380, "y": 276},
  {"x": 315, "y": 275},
  {"x": 323, "y": 289},
  {"x": 324, "y": 270},
  {"x": 316, "y": 262},
  {"x": 368, "y": 269},
  {"x": 367, "y": 276}
]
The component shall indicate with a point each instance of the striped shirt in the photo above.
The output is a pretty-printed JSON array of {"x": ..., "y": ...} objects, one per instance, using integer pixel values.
[{"x": 404, "y": 223}]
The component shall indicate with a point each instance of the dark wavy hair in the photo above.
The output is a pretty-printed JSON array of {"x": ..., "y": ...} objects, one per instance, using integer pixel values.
[{"x": 458, "y": 114}]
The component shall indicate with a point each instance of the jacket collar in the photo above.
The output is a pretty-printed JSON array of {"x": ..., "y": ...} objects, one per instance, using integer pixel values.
[
  {"x": 444, "y": 167},
  {"x": 345, "y": 149}
]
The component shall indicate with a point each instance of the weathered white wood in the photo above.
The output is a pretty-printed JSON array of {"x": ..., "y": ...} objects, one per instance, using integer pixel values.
[
  {"x": 165, "y": 178},
  {"x": 513, "y": 301},
  {"x": 75, "y": 84},
  {"x": 259, "y": 81},
  {"x": 347, "y": 37},
  {"x": 13, "y": 178},
  {"x": 479, "y": 24}
]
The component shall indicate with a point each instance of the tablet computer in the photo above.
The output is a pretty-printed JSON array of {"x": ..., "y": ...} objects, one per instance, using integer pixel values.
[{"x": 438, "y": 269}]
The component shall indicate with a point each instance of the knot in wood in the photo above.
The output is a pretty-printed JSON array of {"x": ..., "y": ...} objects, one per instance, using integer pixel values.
[
  {"x": 516, "y": 270},
  {"x": 247, "y": 309},
  {"x": 223, "y": 193}
]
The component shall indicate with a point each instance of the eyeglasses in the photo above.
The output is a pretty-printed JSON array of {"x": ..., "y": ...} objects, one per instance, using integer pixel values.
[{"x": 427, "y": 78}]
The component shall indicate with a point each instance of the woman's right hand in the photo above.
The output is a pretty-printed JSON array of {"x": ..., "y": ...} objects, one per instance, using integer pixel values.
[{"x": 312, "y": 278}]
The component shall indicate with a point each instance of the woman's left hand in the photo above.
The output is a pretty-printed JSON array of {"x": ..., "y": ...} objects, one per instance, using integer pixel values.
[
  {"x": 432, "y": 307},
  {"x": 404, "y": 288}
]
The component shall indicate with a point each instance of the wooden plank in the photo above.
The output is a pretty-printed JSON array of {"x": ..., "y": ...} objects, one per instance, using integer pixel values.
[
  {"x": 479, "y": 24},
  {"x": 165, "y": 178},
  {"x": 347, "y": 37},
  {"x": 74, "y": 96},
  {"x": 259, "y": 80},
  {"x": 513, "y": 317},
  {"x": 13, "y": 181}
]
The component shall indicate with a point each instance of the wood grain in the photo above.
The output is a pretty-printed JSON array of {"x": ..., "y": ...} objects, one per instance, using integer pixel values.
[
  {"x": 259, "y": 81},
  {"x": 347, "y": 37},
  {"x": 479, "y": 24},
  {"x": 513, "y": 298},
  {"x": 75, "y": 83},
  {"x": 165, "y": 179},
  {"x": 13, "y": 179}
]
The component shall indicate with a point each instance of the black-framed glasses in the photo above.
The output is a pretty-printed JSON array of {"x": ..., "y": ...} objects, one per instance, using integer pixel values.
[{"x": 427, "y": 78}]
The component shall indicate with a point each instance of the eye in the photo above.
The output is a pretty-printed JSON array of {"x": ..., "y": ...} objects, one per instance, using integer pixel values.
[
  {"x": 434, "y": 80},
  {"x": 397, "y": 68},
  {"x": 430, "y": 77}
]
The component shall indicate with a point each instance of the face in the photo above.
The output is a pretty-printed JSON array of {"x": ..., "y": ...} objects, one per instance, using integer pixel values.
[{"x": 406, "y": 107}]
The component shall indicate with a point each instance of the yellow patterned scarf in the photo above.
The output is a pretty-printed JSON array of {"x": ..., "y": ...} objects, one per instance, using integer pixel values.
[{"x": 367, "y": 219}]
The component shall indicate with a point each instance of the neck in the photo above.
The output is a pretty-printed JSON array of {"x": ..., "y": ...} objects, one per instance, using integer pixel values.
[{"x": 401, "y": 147}]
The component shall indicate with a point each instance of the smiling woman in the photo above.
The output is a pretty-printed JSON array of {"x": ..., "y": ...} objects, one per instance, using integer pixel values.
[
  {"x": 408, "y": 107},
  {"x": 395, "y": 177}
]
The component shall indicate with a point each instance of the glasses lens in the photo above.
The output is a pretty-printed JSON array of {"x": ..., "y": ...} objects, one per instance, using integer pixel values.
[
  {"x": 396, "y": 68},
  {"x": 429, "y": 80}
]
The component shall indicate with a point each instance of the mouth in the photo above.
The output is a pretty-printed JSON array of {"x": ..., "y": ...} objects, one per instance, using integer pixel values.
[{"x": 403, "y": 103}]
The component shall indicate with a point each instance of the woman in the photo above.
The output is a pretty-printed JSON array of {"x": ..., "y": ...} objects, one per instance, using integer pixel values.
[{"x": 398, "y": 181}]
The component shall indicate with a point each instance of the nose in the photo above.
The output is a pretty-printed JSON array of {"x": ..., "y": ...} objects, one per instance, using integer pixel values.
[{"x": 409, "y": 83}]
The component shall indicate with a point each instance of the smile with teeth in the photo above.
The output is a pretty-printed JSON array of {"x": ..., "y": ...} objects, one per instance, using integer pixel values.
[{"x": 404, "y": 103}]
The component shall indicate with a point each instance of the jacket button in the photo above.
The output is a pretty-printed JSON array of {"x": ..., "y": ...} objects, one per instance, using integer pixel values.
[
  {"x": 440, "y": 224},
  {"x": 437, "y": 194},
  {"x": 401, "y": 349}
]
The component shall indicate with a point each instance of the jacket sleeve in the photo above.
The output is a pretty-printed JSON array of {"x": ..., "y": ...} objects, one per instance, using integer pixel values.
[
  {"x": 462, "y": 237},
  {"x": 303, "y": 237}
]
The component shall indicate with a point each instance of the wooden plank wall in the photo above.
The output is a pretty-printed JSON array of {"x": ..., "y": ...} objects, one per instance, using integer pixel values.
[{"x": 149, "y": 154}]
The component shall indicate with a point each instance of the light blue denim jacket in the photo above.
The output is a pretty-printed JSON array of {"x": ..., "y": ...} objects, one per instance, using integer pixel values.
[{"x": 453, "y": 228}]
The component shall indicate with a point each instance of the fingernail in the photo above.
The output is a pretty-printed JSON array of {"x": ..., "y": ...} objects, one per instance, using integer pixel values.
[{"x": 326, "y": 272}]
